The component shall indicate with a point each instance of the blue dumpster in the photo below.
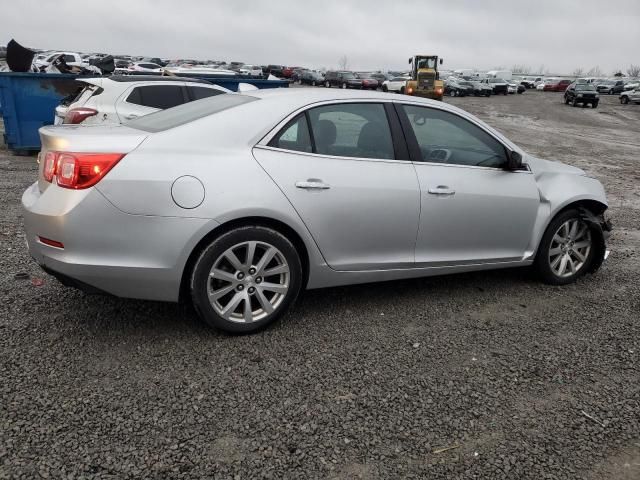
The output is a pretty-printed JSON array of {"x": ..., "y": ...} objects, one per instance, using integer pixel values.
[{"x": 28, "y": 101}]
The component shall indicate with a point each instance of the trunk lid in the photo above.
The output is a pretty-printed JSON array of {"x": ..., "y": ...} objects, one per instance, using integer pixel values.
[{"x": 86, "y": 138}]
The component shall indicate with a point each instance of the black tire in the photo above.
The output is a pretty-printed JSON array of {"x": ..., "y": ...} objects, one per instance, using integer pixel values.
[
  {"x": 402, "y": 90},
  {"x": 611, "y": 92},
  {"x": 624, "y": 100},
  {"x": 343, "y": 86},
  {"x": 594, "y": 105},
  {"x": 566, "y": 100},
  {"x": 327, "y": 84},
  {"x": 313, "y": 83},
  {"x": 453, "y": 93},
  {"x": 541, "y": 264},
  {"x": 385, "y": 88},
  {"x": 200, "y": 277},
  {"x": 574, "y": 102}
]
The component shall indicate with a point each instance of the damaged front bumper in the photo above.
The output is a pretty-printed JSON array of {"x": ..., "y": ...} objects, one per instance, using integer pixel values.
[{"x": 601, "y": 228}]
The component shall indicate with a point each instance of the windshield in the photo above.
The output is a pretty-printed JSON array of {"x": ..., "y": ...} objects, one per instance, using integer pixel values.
[
  {"x": 496, "y": 80},
  {"x": 427, "y": 63},
  {"x": 347, "y": 75},
  {"x": 585, "y": 86},
  {"x": 188, "y": 112}
]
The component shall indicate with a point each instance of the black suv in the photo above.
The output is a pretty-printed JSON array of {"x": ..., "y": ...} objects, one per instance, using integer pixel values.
[
  {"x": 584, "y": 93},
  {"x": 342, "y": 80}
]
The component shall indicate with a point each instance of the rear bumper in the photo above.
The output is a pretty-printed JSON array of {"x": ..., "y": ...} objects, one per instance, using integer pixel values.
[{"x": 106, "y": 250}]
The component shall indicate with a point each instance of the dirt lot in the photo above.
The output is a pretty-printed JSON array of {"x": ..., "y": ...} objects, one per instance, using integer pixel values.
[{"x": 486, "y": 375}]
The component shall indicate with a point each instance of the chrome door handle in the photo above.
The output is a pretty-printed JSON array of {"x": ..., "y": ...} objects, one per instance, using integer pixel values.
[
  {"x": 441, "y": 190},
  {"x": 131, "y": 116},
  {"x": 313, "y": 184}
]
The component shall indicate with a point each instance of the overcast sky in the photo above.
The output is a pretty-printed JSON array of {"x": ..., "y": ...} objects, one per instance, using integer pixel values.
[{"x": 560, "y": 35}]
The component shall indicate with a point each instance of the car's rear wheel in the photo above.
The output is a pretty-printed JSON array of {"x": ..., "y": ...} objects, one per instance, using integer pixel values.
[
  {"x": 385, "y": 88},
  {"x": 566, "y": 249},
  {"x": 246, "y": 279},
  {"x": 344, "y": 85},
  {"x": 624, "y": 100},
  {"x": 327, "y": 84}
]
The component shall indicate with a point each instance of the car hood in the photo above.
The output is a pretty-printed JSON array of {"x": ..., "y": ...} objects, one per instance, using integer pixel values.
[{"x": 540, "y": 166}]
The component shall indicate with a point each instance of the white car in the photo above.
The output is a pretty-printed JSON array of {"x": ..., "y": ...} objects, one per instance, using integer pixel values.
[
  {"x": 630, "y": 96},
  {"x": 70, "y": 58},
  {"x": 396, "y": 84},
  {"x": 112, "y": 100},
  {"x": 512, "y": 87},
  {"x": 253, "y": 70},
  {"x": 145, "y": 67}
]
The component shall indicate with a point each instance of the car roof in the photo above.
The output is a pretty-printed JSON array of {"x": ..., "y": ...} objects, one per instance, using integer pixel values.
[
  {"x": 299, "y": 97},
  {"x": 154, "y": 78}
]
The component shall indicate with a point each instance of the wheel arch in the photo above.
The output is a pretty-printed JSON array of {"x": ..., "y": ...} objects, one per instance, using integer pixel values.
[
  {"x": 277, "y": 225},
  {"x": 591, "y": 210}
]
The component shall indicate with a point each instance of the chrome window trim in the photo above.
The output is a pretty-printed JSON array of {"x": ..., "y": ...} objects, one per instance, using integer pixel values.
[{"x": 311, "y": 154}]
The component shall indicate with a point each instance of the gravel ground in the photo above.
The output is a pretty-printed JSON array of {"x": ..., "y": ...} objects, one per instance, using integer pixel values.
[{"x": 485, "y": 375}]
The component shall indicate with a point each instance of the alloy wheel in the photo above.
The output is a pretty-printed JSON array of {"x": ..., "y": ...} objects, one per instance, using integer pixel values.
[
  {"x": 248, "y": 281},
  {"x": 570, "y": 248}
]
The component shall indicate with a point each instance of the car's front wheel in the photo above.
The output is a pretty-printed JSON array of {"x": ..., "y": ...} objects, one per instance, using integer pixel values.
[
  {"x": 246, "y": 279},
  {"x": 624, "y": 100},
  {"x": 566, "y": 249}
]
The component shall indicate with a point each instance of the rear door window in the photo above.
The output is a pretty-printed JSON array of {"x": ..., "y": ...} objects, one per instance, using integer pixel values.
[
  {"x": 158, "y": 96},
  {"x": 358, "y": 130},
  {"x": 294, "y": 136}
]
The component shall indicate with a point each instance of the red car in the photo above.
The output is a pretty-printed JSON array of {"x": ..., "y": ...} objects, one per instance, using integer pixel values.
[
  {"x": 559, "y": 86},
  {"x": 288, "y": 71}
]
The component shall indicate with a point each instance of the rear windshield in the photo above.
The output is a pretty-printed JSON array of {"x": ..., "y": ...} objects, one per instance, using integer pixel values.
[{"x": 188, "y": 112}]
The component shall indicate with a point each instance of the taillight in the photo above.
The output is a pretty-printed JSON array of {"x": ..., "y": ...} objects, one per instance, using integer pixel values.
[
  {"x": 78, "y": 170},
  {"x": 78, "y": 115},
  {"x": 49, "y": 167}
]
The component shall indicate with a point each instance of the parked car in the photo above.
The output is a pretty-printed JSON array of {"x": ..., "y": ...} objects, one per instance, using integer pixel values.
[
  {"x": 146, "y": 67},
  {"x": 479, "y": 89},
  {"x": 396, "y": 84},
  {"x": 631, "y": 85},
  {"x": 341, "y": 79},
  {"x": 512, "y": 87},
  {"x": 380, "y": 77},
  {"x": 368, "y": 82},
  {"x": 250, "y": 70},
  {"x": 630, "y": 96},
  {"x": 310, "y": 77},
  {"x": 528, "y": 83},
  {"x": 275, "y": 70},
  {"x": 557, "y": 86},
  {"x": 114, "y": 99},
  {"x": 312, "y": 213},
  {"x": 455, "y": 88},
  {"x": 288, "y": 71},
  {"x": 498, "y": 85},
  {"x": 610, "y": 86},
  {"x": 581, "y": 93},
  {"x": 70, "y": 58}
]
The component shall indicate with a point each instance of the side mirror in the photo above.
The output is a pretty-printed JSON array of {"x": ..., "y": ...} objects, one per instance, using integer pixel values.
[
  {"x": 410, "y": 61},
  {"x": 514, "y": 162},
  {"x": 441, "y": 60}
]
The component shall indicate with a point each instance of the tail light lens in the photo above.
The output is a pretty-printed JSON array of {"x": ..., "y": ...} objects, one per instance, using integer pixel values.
[
  {"x": 79, "y": 115},
  {"x": 78, "y": 170},
  {"x": 49, "y": 167}
]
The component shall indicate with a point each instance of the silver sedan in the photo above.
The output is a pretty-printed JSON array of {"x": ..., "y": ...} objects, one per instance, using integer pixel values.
[{"x": 239, "y": 201}]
